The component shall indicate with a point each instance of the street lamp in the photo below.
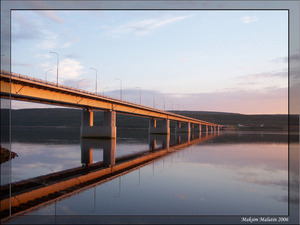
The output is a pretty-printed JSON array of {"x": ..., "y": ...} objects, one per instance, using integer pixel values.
[
  {"x": 120, "y": 87},
  {"x": 56, "y": 67},
  {"x": 46, "y": 74},
  {"x": 153, "y": 100},
  {"x": 96, "y": 77},
  {"x": 104, "y": 89},
  {"x": 172, "y": 104},
  {"x": 140, "y": 95}
]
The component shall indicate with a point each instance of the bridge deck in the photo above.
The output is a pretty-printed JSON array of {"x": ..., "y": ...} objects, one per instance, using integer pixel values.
[{"x": 25, "y": 88}]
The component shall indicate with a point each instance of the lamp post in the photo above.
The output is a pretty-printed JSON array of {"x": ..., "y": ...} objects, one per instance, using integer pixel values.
[
  {"x": 56, "y": 67},
  {"x": 153, "y": 100},
  {"x": 140, "y": 95},
  {"x": 96, "y": 79},
  {"x": 104, "y": 89},
  {"x": 120, "y": 87},
  {"x": 46, "y": 74},
  {"x": 172, "y": 104}
]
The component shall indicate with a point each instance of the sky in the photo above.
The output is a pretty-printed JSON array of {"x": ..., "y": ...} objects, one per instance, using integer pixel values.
[{"x": 218, "y": 60}]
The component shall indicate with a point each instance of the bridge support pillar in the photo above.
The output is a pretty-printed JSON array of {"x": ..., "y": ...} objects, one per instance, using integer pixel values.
[
  {"x": 108, "y": 130},
  {"x": 153, "y": 129},
  {"x": 179, "y": 129}
]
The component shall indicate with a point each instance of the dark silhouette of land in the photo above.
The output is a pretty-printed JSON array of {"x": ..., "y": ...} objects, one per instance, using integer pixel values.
[{"x": 72, "y": 118}]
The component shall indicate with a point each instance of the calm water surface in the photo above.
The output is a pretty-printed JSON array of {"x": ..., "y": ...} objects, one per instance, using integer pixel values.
[{"x": 234, "y": 173}]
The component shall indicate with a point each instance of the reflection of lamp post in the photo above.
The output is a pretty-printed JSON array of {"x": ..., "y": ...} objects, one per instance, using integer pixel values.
[
  {"x": 96, "y": 78},
  {"x": 46, "y": 74},
  {"x": 56, "y": 67},
  {"x": 119, "y": 188},
  {"x": 120, "y": 87},
  {"x": 140, "y": 95}
]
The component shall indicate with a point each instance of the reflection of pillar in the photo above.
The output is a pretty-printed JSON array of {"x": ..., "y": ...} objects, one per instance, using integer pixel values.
[
  {"x": 177, "y": 138},
  {"x": 109, "y": 152},
  {"x": 108, "y": 146},
  {"x": 108, "y": 130},
  {"x": 192, "y": 136},
  {"x": 153, "y": 140},
  {"x": 152, "y": 143},
  {"x": 153, "y": 129},
  {"x": 86, "y": 154}
]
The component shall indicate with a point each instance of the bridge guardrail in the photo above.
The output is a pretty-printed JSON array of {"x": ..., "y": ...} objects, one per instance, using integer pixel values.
[{"x": 93, "y": 94}]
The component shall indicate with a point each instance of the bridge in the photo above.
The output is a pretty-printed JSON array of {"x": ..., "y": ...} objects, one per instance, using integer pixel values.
[{"x": 20, "y": 87}]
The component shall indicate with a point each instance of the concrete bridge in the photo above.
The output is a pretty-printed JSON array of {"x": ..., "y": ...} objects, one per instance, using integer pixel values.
[{"x": 19, "y": 87}]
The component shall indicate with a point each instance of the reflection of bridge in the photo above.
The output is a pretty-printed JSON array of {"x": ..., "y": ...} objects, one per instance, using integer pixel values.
[
  {"x": 35, "y": 192},
  {"x": 24, "y": 88}
]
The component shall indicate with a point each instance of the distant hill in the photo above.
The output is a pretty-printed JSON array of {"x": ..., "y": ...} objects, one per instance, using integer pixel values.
[
  {"x": 72, "y": 118},
  {"x": 242, "y": 121}
]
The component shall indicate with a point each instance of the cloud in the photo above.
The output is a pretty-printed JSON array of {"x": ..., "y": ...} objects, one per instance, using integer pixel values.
[
  {"x": 274, "y": 74},
  {"x": 70, "y": 42},
  {"x": 23, "y": 28},
  {"x": 83, "y": 84},
  {"x": 49, "y": 41},
  {"x": 69, "y": 68},
  {"x": 181, "y": 196},
  {"x": 73, "y": 56},
  {"x": 260, "y": 81},
  {"x": 249, "y": 19},
  {"x": 50, "y": 15},
  {"x": 22, "y": 64},
  {"x": 293, "y": 58},
  {"x": 145, "y": 26},
  {"x": 269, "y": 100}
]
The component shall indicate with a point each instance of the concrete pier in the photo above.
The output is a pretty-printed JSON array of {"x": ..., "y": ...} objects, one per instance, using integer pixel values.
[
  {"x": 153, "y": 129},
  {"x": 180, "y": 129},
  {"x": 108, "y": 130}
]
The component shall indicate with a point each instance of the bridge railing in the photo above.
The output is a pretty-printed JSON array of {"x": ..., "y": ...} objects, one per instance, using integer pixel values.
[
  {"x": 61, "y": 86},
  {"x": 89, "y": 93}
]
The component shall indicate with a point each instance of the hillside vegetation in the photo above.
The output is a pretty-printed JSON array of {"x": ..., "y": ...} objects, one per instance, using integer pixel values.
[{"x": 72, "y": 118}]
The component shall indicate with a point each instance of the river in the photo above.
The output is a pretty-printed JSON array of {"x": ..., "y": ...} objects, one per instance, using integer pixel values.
[{"x": 231, "y": 173}]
